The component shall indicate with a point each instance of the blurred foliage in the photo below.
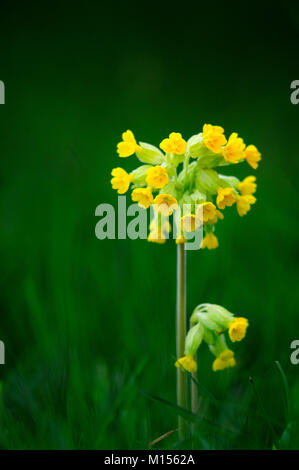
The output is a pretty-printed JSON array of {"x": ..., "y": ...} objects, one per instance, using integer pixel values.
[{"x": 89, "y": 324}]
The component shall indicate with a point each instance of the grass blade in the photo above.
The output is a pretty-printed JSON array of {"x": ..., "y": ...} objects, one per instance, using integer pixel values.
[
  {"x": 266, "y": 418},
  {"x": 188, "y": 415},
  {"x": 286, "y": 390}
]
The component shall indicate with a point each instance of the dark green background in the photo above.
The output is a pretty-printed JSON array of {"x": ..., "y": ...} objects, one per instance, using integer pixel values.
[{"x": 89, "y": 324}]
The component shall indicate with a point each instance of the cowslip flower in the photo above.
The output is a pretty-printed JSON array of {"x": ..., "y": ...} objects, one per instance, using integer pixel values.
[
  {"x": 225, "y": 197},
  {"x": 225, "y": 359},
  {"x": 244, "y": 204},
  {"x": 188, "y": 223},
  {"x": 252, "y": 156},
  {"x": 209, "y": 323},
  {"x": 157, "y": 236},
  {"x": 143, "y": 196},
  {"x": 159, "y": 230},
  {"x": 213, "y": 137},
  {"x": 165, "y": 203},
  {"x": 128, "y": 146},
  {"x": 187, "y": 363},
  {"x": 247, "y": 186},
  {"x": 189, "y": 173},
  {"x": 121, "y": 180},
  {"x": 209, "y": 212},
  {"x": 180, "y": 240},
  {"x": 218, "y": 216},
  {"x": 210, "y": 241},
  {"x": 233, "y": 152},
  {"x": 237, "y": 329},
  {"x": 157, "y": 177},
  {"x": 174, "y": 144}
]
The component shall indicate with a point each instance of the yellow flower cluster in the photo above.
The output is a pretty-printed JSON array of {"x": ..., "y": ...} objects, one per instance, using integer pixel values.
[
  {"x": 233, "y": 150},
  {"x": 209, "y": 322},
  {"x": 187, "y": 172}
]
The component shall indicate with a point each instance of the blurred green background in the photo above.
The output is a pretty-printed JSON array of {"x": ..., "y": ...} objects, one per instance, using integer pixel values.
[{"x": 89, "y": 325}]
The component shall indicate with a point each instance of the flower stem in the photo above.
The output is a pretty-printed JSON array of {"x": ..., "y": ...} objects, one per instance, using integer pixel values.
[
  {"x": 181, "y": 334},
  {"x": 186, "y": 164},
  {"x": 194, "y": 391},
  {"x": 194, "y": 394}
]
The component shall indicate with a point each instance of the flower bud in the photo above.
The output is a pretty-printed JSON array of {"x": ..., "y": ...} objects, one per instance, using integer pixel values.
[
  {"x": 194, "y": 145},
  {"x": 209, "y": 159},
  {"x": 193, "y": 339},
  {"x": 219, "y": 313},
  {"x": 228, "y": 181},
  {"x": 206, "y": 321},
  {"x": 212, "y": 316},
  {"x": 149, "y": 154},
  {"x": 207, "y": 181},
  {"x": 139, "y": 175}
]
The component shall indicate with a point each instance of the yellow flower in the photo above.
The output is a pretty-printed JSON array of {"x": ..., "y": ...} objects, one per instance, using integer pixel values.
[
  {"x": 165, "y": 203},
  {"x": 121, "y": 180},
  {"x": 143, "y": 196},
  {"x": 218, "y": 216},
  {"x": 175, "y": 144},
  {"x": 225, "y": 197},
  {"x": 187, "y": 362},
  {"x": 234, "y": 149},
  {"x": 210, "y": 241},
  {"x": 252, "y": 156},
  {"x": 128, "y": 145},
  {"x": 180, "y": 239},
  {"x": 237, "y": 329},
  {"x": 213, "y": 137},
  {"x": 156, "y": 176},
  {"x": 243, "y": 204},
  {"x": 188, "y": 223},
  {"x": 209, "y": 212},
  {"x": 156, "y": 236},
  {"x": 224, "y": 360},
  {"x": 247, "y": 186},
  {"x": 159, "y": 231}
]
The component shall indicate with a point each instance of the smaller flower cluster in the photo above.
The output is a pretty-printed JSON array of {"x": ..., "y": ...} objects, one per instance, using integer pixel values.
[
  {"x": 209, "y": 322},
  {"x": 185, "y": 175}
]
